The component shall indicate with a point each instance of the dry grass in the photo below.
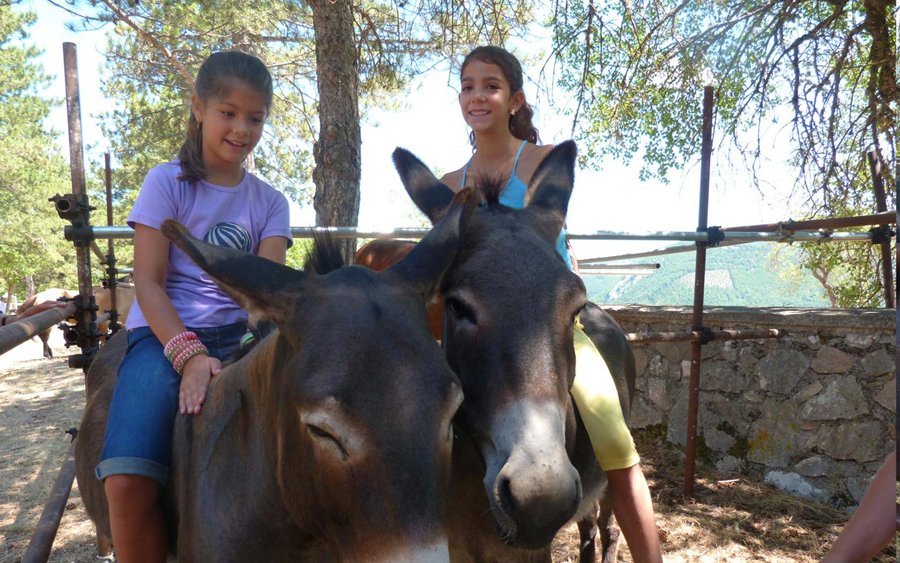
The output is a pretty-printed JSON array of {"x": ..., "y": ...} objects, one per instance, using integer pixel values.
[
  {"x": 39, "y": 400},
  {"x": 730, "y": 518}
]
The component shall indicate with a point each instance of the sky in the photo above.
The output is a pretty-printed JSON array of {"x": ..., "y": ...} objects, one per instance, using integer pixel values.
[{"x": 429, "y": 123}]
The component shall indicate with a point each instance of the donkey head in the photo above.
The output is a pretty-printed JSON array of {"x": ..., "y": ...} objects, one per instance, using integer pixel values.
[
  {"x": 352, "y": 394},
  {"x": 510, "y": 305}
]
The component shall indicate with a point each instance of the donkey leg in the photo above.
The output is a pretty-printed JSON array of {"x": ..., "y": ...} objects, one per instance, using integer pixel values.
[
  {"x": 609, "y": 531},
  {"x": 104, "y": 546},
  {"x": 587, "y": 536},
  {"x": 45, "y": 341}
]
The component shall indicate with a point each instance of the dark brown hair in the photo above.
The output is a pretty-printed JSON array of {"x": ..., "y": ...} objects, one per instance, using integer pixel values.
[
  {"x": 214, "y": 79},
  {"x": 520, "y": 122}
]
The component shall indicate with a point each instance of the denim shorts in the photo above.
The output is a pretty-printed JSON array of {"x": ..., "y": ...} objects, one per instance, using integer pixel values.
[{"x": 138, "y": 438}]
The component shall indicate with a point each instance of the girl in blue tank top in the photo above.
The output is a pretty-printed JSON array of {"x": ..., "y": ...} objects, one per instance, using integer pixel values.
[{"x": 505, "y": 142}]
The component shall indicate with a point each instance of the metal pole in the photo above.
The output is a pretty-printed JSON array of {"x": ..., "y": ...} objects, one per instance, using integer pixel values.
[
  {"x": 111, "y": 256},
  {"x": 691, "y": 336},
  {"x": 76, "y": 155},
  {"x": 881, "y": 206},
  {"x": 15, "y": 333},
  {"x": 882, "y": 218},
  {"x": 729, "y": 237},
  {"x": 600, "y": 266},
  {"x": 86, "y": 315},
  {"x": 41, "y": 543},
  {"x": 699, "y": 277}
]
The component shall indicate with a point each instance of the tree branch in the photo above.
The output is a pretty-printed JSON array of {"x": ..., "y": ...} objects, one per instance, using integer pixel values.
[{"x": 152, "y": 40}]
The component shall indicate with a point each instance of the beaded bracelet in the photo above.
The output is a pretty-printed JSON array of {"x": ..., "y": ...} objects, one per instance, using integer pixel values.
[
  {"x": 187, "y": 349},
  {"x": 181, "y": 360},
  {"x": 177, "y": 342}
]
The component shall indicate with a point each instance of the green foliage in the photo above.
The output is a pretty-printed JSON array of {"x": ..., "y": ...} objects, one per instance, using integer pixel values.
[
  {"x": 825, "y": 69},
  {"x": 153, "y": 55},
  {"x": 155, "y": 48},
  {"x": 639, "y": 69},
  {"x": 851, "y": 273},
  {"x": 298, "y": 252},
  {"x": 31, "y": 169}
]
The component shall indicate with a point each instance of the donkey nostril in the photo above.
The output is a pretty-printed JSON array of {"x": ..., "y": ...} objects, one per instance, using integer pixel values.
[{"x": 505, "y": 496}]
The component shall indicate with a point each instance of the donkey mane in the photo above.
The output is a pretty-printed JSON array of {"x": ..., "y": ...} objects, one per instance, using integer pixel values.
[
  {"x": 488, "y": 189},
  {"x": 325, "y": 255}
]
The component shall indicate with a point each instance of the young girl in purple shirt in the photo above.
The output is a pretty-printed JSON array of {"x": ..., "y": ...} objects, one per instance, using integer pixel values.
[{"x": 182, "y": 325}]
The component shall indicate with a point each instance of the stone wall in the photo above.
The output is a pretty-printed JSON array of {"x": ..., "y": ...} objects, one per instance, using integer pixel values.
[{"x": 812, "y": 412}]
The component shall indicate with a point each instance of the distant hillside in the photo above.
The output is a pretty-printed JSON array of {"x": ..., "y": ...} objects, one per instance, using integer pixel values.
[{"x": 752, "y": 275}]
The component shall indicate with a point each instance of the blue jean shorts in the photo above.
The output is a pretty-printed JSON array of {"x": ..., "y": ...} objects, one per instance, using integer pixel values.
[{"x": 138, "y": 438}]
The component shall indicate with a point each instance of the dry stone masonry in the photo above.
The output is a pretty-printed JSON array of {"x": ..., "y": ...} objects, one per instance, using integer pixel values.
[{"x": 812, "y": 413}]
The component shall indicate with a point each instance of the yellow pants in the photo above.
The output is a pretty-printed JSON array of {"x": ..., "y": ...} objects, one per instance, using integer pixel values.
[{"x": 597, "y": 400}]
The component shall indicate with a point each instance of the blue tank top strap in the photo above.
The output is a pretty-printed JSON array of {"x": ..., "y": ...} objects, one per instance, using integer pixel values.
[
  {"x": 513, "y": 194},
  {"x": 516, "y": 163},
  {"x": 462, "y": 185}
]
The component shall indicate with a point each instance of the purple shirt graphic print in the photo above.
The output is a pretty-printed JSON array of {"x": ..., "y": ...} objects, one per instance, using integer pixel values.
[{"x": 236, "y": 217}]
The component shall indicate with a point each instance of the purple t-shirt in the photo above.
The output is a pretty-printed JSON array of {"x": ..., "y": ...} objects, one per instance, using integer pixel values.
[{"x": 238, "y": 217}]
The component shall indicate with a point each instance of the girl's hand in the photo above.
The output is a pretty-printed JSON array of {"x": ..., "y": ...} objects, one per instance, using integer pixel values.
[{"x": 195, "y": 382}]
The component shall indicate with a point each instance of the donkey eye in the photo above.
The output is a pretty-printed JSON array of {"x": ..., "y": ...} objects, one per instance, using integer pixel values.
[
  {"x": 326, "y": 439},
  {"x": 460, "y": 310}
]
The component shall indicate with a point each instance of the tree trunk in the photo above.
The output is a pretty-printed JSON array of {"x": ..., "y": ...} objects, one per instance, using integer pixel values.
[
  {"x": 337, "y": 151},
  {"x": 29, "y": 286}
]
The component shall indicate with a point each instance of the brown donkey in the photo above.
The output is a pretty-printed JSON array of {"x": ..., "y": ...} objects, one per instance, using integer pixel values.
[
  {"x": 331, "y": 439},
  {"x": 523, "y": 465}
]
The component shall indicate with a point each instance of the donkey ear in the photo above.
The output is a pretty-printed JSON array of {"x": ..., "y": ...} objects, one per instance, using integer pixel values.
[
  {"x": 427, "y": 192},
  {"x": 551, "y": 187},
  {"x": 427, "y": 262},
  {"x": 257, "y": 284}
]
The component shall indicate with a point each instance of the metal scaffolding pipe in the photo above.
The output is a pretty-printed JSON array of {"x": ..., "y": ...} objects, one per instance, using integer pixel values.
[
  {"x": 694, "y": 335},
  {"x": 729, "y": 236},
  {"x": 887, "y": 274},
  {"x": 41, "y": 543},
  {"x": 588, "y": 271},
  {"x": 597, "y": 266},
  {"x": 733, "y": 237},
  {"x": 690, "y": 451},
  {"x": 13, "y": 334},
  {"x": 651, "y": 253},
  {"x": 76, "y": 156},
  {"x": 111, "y": 250},
  {"x": 97, "y": 252},
  {"x": 884, "y": 218},
  {"x": 81, "y": 220}
]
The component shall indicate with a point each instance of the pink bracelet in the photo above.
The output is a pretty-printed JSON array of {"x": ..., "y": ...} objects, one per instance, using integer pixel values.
[
  {"x": 174, "y": 345},
  {"x": 185, "y": 355},
  {"x": 186, "y": 350}
]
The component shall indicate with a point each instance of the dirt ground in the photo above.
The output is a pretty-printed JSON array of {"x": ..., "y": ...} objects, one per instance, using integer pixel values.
[{"x": 730, "y": 519}]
